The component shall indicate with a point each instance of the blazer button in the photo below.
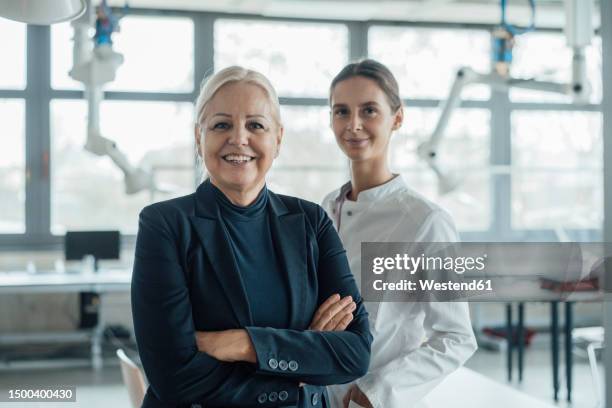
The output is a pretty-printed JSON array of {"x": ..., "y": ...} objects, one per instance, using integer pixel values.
[
  {"x": 262, "y": 398},
  {"x": 273, "y": 396},
  {"x": 196, "y": 406},
  {"x": 273, "y": 363},
  {"x": 293, "y": 365},
  {"x": 283, "y": 395},
  {"x": 315, "y": 398},
  {"x": 283, "y": 365}
]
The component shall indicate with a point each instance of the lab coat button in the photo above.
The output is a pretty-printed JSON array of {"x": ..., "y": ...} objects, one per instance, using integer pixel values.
[
  {"x": 262, "y": 398},
  {"x": 349, "y": 213},
  {"x": 293, "y": 365},
  {"x": 283, "y": 365},
  {"x": 315, "y": 398},
  {"x": 273, "y": 396},
  {"x": 273, "y": 363},
  {"x": 283, "y": 395}
]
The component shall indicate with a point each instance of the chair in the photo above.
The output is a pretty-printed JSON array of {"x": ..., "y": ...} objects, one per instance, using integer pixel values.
[
  {"x": 593, "y": 338},
  {"x": 132, "y": 378}
]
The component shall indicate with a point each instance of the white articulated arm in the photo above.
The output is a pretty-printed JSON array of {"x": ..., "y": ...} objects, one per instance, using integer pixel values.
[
  {"x": 579, "y": 32},
  {"x": 95, "y": 67}
]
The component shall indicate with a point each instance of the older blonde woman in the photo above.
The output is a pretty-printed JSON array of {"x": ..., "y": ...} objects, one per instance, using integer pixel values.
[{"x": 240, "y": 296}]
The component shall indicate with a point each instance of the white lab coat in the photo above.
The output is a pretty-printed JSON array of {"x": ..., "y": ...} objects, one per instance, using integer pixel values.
[{"x": 415, "y": 344}]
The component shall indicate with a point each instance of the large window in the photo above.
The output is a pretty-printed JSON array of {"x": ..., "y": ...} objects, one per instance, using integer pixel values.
[{"x": 527, "y": 165}]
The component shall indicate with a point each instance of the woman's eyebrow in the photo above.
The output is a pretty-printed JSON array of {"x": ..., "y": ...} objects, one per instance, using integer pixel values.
[
  {"x": 370, "y": 103},
  {"x": 256, "y": 115},
  {"x": 222, "y": 114}
]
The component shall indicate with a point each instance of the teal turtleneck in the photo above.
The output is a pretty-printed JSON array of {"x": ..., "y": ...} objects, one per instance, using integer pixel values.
[{"x": 248, "y": 231}]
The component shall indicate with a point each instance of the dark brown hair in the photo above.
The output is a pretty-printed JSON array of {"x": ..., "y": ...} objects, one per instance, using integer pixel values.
[{"x": 374, "y": 70}]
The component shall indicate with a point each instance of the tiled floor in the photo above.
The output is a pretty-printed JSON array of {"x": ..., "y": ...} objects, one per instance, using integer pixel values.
[{"x": 105, "y": 388}]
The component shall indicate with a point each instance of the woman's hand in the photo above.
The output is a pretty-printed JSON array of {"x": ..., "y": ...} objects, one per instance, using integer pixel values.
[
  {"x": 335, "y": 314},
  {"x": 355, "y": 394},
  {"x": 227, "y": 345}
]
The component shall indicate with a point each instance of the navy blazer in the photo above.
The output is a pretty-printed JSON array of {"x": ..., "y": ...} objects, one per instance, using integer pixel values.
[{"x": 185, "y": 279}]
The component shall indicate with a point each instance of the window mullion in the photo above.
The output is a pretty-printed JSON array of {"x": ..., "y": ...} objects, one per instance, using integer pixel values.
[{"x": 37, "y": 133}]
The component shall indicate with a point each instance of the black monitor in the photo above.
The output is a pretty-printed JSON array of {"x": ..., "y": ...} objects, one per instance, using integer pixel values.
[{"x": 100, "y": 244}]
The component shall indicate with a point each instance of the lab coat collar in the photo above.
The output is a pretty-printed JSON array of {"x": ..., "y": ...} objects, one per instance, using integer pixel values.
[{"x": 374, "y": 193}]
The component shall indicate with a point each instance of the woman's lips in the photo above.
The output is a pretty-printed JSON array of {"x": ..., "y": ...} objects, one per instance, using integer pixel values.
[{"x": 356, "y": 142}]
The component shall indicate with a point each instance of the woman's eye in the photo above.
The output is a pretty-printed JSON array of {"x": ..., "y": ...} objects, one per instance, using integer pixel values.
[
  {"x": 369, "y": 111},
  {"x": 256, "y": 126},
  {"x": 340, "y": 112},
  {"x": 221, "y": 126}
]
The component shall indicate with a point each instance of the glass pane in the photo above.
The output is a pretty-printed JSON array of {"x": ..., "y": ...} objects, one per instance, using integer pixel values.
[
  {"x": 61, "y": 57},
  {"x": 308, "y": 139},
  {"x": 312, "y": 185},
  {"x": 557, "y": 139},
  {"x": 557, "y": 199},
  {"x": 13, "y": 51},
  {"x": 469, "y": 205},
  {"x": 546, "y": 56},
  {"x": 88, "y": 191},
  {"x": 310, "y": 163},
  {"x": 558, "y": 181},
  {"x": 12, "y": 166},
  {"x": 464, "y": 154},
  {"x": 466, "y": 142},
  {"x": 425, "y": 60},
  {"x": 302, "y": 63},
  {"x": 157, "y": 51}
]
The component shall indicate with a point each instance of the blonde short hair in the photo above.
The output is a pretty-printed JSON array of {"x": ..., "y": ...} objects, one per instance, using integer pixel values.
[{"x": 234, "y": 74}]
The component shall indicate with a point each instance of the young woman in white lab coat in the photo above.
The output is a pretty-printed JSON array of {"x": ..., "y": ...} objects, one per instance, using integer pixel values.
[{"x": 415, "y": 344}]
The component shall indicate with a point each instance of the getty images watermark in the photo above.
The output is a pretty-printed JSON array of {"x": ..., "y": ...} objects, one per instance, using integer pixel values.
[{"x": 478, "y": 271}]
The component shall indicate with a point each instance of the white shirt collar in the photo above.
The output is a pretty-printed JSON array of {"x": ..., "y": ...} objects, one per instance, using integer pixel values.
[{"x": 374, "y": 193}]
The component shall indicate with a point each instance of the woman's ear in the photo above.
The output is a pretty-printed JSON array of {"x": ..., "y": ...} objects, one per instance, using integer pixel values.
[
  {"x": 399, "y": 118},
  {"x": 279, "y": 139},
  {"x": 196, "y": 133}
]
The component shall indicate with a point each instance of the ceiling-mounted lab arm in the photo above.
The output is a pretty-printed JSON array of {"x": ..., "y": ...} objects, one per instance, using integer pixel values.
[
  {"x": 578, "y": 31},
  {"x": 96, "y": 65}
]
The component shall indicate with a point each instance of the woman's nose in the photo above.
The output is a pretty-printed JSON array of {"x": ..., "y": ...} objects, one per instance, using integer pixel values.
[
  {"x": 239, "y": 136},
  {"x": 354, "y": 123}
]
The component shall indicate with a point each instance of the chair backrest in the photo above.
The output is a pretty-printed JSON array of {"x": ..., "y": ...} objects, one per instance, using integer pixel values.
[{"x": 132, "y": 378}]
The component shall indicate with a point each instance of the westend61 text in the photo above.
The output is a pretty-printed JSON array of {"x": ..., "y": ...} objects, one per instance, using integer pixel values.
[{"x": 429, "y": 285}]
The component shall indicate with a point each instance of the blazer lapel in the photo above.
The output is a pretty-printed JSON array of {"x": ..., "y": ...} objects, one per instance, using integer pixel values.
[
  {"x": 216, "y": 244},
  {"x": 289, "y": 235}
]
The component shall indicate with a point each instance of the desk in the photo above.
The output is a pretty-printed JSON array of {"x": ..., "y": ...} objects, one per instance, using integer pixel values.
[
  {"x": 554, "y": 336},
  {"x": 104, "y": 281},
  {"x": 513, "y": 289}
]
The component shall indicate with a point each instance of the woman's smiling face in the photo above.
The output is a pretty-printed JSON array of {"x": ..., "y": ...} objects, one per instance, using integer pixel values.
[
  {"x": 241, "y": 137},
  {"x": 362, "y": 119}
]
